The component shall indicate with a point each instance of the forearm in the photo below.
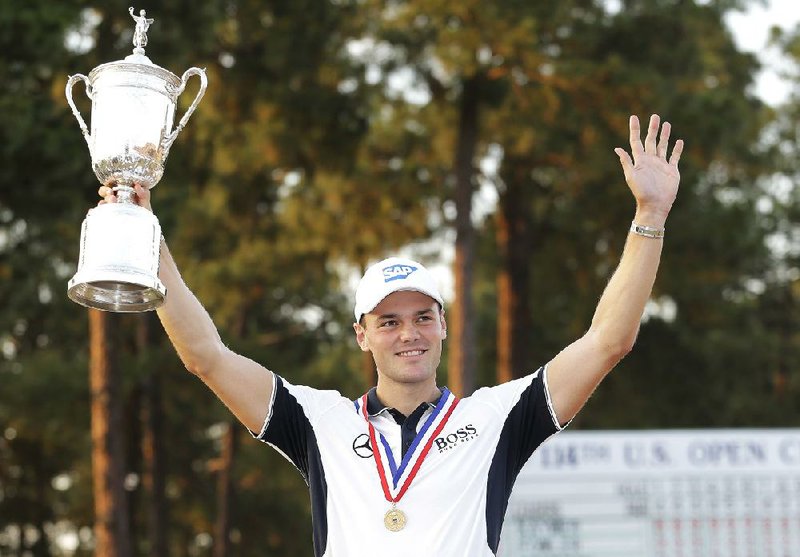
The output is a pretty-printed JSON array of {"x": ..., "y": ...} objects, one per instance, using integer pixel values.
[
  {"x": 619, "y": 312},
  {"x": 187, "y": 323}
]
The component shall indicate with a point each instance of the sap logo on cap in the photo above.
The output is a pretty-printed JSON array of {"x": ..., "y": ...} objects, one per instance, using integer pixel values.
[{"x": 395, "y": 272}]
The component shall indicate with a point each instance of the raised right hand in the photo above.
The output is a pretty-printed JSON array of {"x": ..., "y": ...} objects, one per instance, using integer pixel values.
[{"x": 651, "y": 176}]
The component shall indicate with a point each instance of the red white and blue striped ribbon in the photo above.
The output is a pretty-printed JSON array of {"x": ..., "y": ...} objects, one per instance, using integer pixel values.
[{"x": 395, "y": 480}]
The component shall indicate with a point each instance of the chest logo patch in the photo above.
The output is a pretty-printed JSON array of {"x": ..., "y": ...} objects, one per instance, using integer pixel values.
[
  {"x": 362, "y": 447},
  {"x": 452, "y": 440}
]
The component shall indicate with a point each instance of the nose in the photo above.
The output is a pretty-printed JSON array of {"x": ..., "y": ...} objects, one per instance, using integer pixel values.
[{"x": 409, "y": 332}]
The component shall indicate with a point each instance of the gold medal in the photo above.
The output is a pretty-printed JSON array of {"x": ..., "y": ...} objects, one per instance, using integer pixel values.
[{"x": 394, "y": 519}]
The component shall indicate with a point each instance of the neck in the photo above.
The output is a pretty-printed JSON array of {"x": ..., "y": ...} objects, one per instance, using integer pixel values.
[{"x": 405, "y": 398}]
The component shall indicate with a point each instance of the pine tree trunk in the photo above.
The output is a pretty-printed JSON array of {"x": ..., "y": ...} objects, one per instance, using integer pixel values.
[
  {"x": 153, "y": 452},
  {"x": 155, "y": 466},
  {"x": 505, "y": 301},
  {"x": 513, "y": 315},
  {"x": 222, "y": 540},
  {"x": 112, "y": 536},
  {"x": 460, "y": 320},
  {"x": 132, "y": 426}
]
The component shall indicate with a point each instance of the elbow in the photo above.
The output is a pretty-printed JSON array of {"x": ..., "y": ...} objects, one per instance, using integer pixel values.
[
  {"x": 203, "y": 362},
  {"x": 619, "y": 351},
  {"x": 623, "y": 346},
  {"x": 614, "y": 349},
  {"x": 195, "y": 367},
  {"x": 614, "y": 354}
]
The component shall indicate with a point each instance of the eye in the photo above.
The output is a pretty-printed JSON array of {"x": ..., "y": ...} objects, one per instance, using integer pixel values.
[{"x": 387, "y": 323}]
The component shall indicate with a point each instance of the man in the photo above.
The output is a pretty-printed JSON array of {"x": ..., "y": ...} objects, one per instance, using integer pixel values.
[{"x": 408, "y": 468}]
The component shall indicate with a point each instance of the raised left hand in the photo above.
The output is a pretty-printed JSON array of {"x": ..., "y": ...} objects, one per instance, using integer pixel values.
[{"x": 652, "y": 178}]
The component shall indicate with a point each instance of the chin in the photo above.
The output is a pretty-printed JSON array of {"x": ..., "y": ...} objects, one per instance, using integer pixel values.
[{"x": 409, "y": 376}]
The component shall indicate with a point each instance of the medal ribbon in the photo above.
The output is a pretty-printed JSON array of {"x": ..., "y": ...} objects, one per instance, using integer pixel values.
[{"x": 447, "y": 397}]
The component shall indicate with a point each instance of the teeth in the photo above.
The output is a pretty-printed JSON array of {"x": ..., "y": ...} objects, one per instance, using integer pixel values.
[{"x": 411, "y": 353}]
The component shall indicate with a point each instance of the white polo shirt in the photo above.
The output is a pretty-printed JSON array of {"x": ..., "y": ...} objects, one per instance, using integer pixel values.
[{"x": 452, "y": 485}]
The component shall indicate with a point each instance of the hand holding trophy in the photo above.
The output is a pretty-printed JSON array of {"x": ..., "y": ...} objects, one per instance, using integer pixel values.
[{"x": 133, "y": 109}]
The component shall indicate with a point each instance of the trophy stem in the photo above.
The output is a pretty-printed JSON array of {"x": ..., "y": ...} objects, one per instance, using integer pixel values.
[{"x": 125, "y": 194}]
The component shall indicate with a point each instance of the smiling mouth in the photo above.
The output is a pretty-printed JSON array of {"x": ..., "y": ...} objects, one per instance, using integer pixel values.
[{"x": 411, "y": 353}]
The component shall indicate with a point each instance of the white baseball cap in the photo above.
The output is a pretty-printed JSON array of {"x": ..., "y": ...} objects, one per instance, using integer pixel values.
[{"x": 391, "y": 275}]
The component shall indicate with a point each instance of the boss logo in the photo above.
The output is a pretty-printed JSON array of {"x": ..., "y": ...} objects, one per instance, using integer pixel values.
[
  {"x": 452, "y": 440},
  {"x": 395, "y": 272}
]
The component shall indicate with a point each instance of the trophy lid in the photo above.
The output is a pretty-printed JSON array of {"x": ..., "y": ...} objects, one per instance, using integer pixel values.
[
  {"x": 138, "y": 62},
  {"x": 140, "y": 38}
]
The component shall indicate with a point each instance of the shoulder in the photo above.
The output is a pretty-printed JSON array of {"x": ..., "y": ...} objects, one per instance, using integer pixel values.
[
  {"x": 312, "y": 400},
  {"x": 301, "y": 406},
  {"x": 509, "y": 392}
]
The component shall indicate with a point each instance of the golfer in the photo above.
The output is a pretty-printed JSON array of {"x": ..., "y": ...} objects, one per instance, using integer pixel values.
[{"x": 409, "y": 468}]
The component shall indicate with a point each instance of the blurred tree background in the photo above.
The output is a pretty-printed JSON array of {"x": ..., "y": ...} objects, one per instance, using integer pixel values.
[{"x": 334, "y": 133}]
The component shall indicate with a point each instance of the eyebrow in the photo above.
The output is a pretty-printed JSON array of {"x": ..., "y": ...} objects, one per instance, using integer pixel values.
[{"x": 396, "y": 315}]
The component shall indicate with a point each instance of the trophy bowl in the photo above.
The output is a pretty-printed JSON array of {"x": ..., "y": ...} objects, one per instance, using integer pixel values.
[{"x": 133, "y": 110}]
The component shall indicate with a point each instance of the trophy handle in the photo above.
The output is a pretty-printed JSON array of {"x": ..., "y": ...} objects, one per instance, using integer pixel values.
[
  {"x": 168, "y": 140},
  {"x": 68, "y": 91}
]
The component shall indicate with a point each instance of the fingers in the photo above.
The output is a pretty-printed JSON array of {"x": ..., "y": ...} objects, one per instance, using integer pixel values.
[
  {"x": 625, "y": 161},
  {"x": 676, "y": 152},
  {"x": 107, "y": 194},
  {"x": 142, "y": 192},
  {"x": 635, "y": 137},
  {"x": 663, "y": 140},
  {"x": 143, "y": 196},
  {"x": 650, "y": 147},
  {"x": 652, "y": 133}
]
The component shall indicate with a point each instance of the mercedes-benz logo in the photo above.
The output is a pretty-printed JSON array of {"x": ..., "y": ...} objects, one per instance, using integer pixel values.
[{"x": 362, "y": 447}]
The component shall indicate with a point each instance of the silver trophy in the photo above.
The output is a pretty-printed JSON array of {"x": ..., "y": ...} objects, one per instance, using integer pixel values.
[{"x": 133, "y": 109}]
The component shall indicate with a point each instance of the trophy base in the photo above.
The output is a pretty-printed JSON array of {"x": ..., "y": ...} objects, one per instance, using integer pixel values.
[
  {"x": 118, "y": 264},
  {"x": 112, "y": 294}
]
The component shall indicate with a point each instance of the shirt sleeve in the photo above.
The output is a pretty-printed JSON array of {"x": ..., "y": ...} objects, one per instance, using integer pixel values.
[
  {"x": 529, "y": 421},
  {"x": 287, "y": 427}
]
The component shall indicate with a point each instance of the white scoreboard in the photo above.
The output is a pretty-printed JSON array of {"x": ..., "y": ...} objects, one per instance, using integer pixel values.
[{"x": 658, "y": 493}]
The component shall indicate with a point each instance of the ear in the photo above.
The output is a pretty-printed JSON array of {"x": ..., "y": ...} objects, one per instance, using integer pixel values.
[
  {"x": 361, "y": 337},
  {"x": 444, "y": 324}
]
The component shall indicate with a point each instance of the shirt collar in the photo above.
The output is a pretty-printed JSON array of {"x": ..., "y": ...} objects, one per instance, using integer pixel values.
[{"x": 375, "y": 406}]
